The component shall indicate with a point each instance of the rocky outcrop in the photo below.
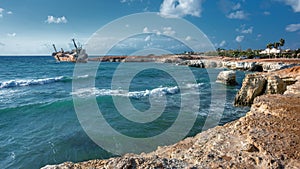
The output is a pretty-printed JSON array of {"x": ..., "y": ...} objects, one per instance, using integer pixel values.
[
  {"x": 294, "y": 88},
  {"x": 193, "y": 63},
  {"x": 212, "y": 63},
  {"x": 237, "y": 65},
  {"x": 267, "y": 137},
  {"x": 253, "y": 85},
  {"x": 203, "y": 63},
  {"x": 275, "y": 85},
  {"x": 274, "y": 66},
  {"x": 266, "y": 83},
  {"x": 227, "y": 78}
]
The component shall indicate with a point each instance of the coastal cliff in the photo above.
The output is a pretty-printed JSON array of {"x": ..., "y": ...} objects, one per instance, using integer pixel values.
[{"x": 267, "y": 137}]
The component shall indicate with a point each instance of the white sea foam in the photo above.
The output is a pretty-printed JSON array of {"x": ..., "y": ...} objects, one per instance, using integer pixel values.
[
  {"x": 194, "y": 85},
  {"x": 29, "y": 82},
  {"x": 82, "y": 77},
  {"x": 158, "y": 92},
  {"x": 161, "y": 91}
]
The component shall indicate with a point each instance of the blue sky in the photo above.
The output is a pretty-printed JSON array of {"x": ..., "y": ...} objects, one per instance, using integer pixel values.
[{"x": 29, "y": 27}]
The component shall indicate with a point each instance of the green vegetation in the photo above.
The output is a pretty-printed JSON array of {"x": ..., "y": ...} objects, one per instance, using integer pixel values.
[{"x": 251, "y": 53}]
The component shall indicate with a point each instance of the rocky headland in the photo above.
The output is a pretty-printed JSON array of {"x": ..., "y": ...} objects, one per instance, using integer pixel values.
[
  {"x": 267, "y": 137},
  {"x": 259, "y": 65},
  {"x": 208, "y": 61}
]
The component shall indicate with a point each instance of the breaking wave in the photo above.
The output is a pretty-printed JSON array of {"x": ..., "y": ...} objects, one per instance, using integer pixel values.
[
  {"x": 157, "y": 92},
  {"x": 161, "y": 91},
  {"x": 43, "y": 81},
  {"x": 30, "y": 82}
]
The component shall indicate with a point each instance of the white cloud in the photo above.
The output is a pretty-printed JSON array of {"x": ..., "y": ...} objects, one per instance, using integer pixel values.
[
  {"x": 146, "y": 30},
  {"x": 293, "y": 27},
  {"x": 236, "y": 7},
  {"x": 2, "y": 44},
  {"x": 180, "y": 8},
  {"x": 222, "y": 44},
  {"x": 295, "y": 4},
  {"x": 156, "y": 31},
  {"x": 237, "y": 15},
  {"x": 188, "y": 38},
  {"x": 247, "y": 31},
  {"x": 148, "y": 38},
  {"x": 52, "y": 19},
  {"x": 1, "y": 12},
  {"x": 244, "y": 30},
  {"x": 239, "y": 38},
  {"x": 126, "y": 1},
  {"x": 129, "y": 1},
  {"x": 168, "y": 31},
  {"x": 267, "y": 13},
  {"x": 165, "y": 30},
  {"x": 12, "y": 34}
]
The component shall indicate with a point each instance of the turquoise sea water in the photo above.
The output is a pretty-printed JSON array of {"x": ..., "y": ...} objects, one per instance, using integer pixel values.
[{"x": 39, "y": 125}]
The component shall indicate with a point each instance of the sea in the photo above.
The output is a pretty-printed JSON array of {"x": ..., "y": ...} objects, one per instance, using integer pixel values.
[{"x": 39, "y": 122}]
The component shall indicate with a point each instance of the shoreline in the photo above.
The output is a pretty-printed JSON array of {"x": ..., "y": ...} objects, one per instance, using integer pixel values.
[
  {"x": 256, "y": 140},
  {"x": 208, "y": 61}
]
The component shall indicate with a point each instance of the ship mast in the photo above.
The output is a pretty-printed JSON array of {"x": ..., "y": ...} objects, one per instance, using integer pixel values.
[
  {"x": 54, "y": 48},
  {"x": 75, "y": 44}
]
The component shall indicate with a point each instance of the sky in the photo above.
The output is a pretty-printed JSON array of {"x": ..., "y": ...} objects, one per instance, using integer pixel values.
[{"x": 30, "y": 27}]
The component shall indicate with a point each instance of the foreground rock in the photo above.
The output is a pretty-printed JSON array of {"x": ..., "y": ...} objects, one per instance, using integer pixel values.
[
  {"x": 266, "y": 83},
  {"x": 227, "y": 78},
  {"x": 267, "y": 137}
]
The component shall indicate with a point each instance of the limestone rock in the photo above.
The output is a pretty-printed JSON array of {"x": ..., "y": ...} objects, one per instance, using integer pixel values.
[
  {"x": 211, "y": 64},
  {"x": 195, "y": 63},
  {"x": 275, "y": 85},
  {"x": 227, "y": 78},
  {"x": 267, "y": 67},
  {"x": 253, "y": 86},
  {"x": 268, "y": 83}
]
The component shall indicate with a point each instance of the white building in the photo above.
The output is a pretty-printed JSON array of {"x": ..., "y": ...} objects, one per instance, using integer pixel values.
[{"x": 271, "y": 51}]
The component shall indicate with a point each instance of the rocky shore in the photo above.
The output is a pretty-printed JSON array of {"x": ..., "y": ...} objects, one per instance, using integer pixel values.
[
  {"x": 268, "y": 83},
  {"x": 258, "y": 65},
  {"x": 267, "y": 137},
  {"x": 208, "y": 62}
]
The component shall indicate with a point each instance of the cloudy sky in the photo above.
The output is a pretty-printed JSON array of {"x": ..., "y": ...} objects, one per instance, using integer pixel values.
[{"x": 31, "y": 26}]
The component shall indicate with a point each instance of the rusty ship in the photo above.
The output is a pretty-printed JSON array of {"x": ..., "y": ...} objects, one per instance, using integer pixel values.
[{"x": 77, "y": 55}]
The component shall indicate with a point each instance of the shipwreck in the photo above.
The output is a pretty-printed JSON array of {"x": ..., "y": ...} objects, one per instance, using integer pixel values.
[{"x": 77, "y": 55}]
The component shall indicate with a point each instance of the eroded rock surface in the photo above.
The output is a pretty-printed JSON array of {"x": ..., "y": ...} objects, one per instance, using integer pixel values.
[
  {"x": 227, "y": 78},
  {"x": 267, "y": 83}
]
